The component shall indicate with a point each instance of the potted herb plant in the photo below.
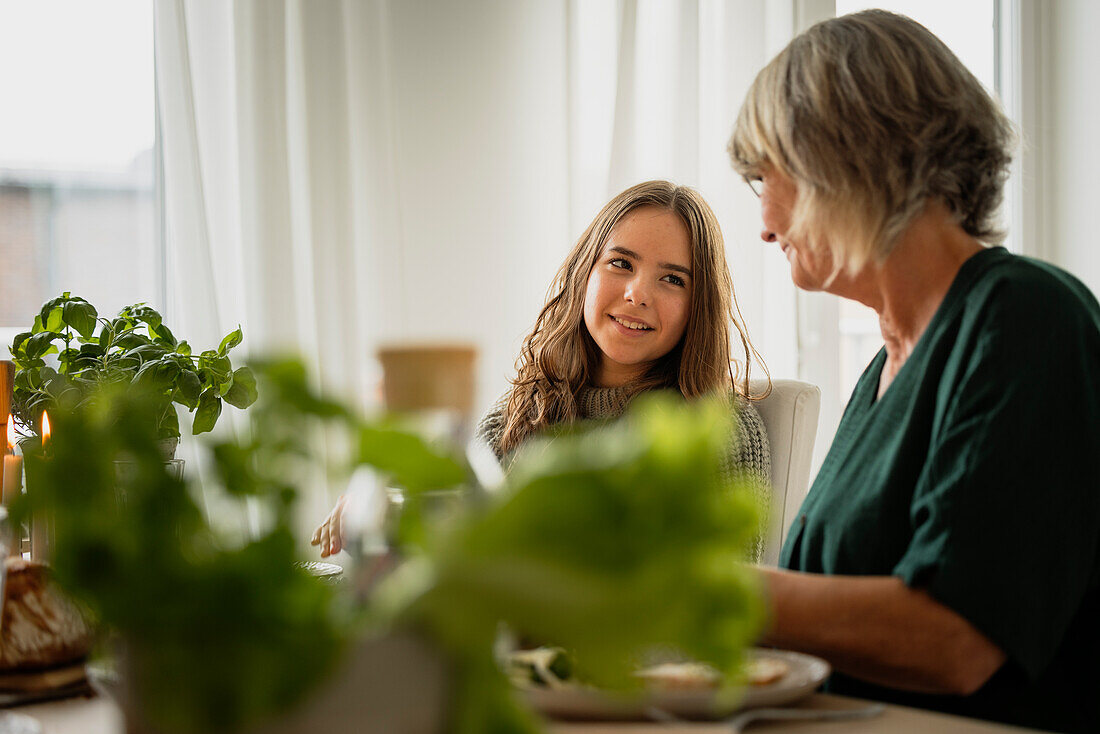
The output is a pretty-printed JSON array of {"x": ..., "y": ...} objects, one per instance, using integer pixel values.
[{"x": 71, "y": 353}]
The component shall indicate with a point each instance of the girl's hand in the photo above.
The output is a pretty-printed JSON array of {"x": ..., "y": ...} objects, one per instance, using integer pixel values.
[{"x": 330, "y": 533}]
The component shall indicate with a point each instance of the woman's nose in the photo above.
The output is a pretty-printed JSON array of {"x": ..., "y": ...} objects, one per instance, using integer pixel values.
[{"x": 767, "y": 236}]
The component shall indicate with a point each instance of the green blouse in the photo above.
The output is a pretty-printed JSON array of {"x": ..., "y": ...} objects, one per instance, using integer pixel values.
[{"x": 976, "y": 476}]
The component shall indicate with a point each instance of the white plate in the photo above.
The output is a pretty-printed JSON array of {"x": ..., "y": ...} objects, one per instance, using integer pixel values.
[
  {"x": 805, "y": 673},
  {"x": 326, "y": 571}
]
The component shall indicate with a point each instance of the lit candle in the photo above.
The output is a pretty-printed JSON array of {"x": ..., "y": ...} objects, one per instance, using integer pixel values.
[
  {"x": 40, "y": 541},
  {"x": 13, "y": 469}
]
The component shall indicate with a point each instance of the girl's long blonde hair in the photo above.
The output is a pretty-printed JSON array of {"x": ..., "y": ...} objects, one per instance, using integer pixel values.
[{"x": 559, "y": 356}]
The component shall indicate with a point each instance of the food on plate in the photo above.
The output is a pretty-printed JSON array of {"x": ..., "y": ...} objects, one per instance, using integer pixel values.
[
  {"x": 550, "y": 667},
  {"x": 547, "y": 667},
  {"x": 760, "y": 671},
  {"x": 40, "y": 628},
  {"x": 680, "y": 677},
  {"x": 765, "y": 671}
]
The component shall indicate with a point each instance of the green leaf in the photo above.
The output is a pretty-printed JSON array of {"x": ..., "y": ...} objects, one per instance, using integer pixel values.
[
  {"x": 106, "y": 333},
  {"x": 220, "y": 366},
  {"x": 235, "y": 465},
  {"x": 243, "y": 391},
  {"x": 187, "y": 390},
  {"x": 183, "y": 348},
  {"x": 170, "y": 424},
  {"x": 206, "y": 415},
  {"x": 80, "y": 315},
  {"x": 58, "y": 386},
  {"x": 164, "y": 335},
  {"x": 132, "y": 341},
  {"x": 288, "y": 383},
  {"x": 148, "y": 351},
  {"x": 141, "y": 312},
  {"x": 408, "y": 459},
  {"x": 37, "y": 327},
  {"x": 92, "y": 349},
  {"x": 31, "y": 366},
  {"x": 47, "y": 317},
  {"x": 231, "y": 340},
  {"x": 44, "y": 375},
  {"x": 39, "y": 344},
  {"x": 157, "y": 375},
  {"x": 18, "y": 341},
  {"x": 55, "y": 321},
  {"x": 23, "y": 380},
  {"x": 66, "y": 359},
  {"x": 617, "y": 523}
]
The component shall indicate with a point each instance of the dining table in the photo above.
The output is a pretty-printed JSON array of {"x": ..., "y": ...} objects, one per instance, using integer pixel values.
[{"x": 100, "y": 715}]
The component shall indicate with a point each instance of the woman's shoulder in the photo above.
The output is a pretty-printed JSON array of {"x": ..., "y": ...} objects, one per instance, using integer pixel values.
[{"x": 1016, "y": 289}]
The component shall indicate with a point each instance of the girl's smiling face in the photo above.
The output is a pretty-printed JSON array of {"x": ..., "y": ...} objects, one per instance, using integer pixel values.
[{"x": 638, "y": 299}]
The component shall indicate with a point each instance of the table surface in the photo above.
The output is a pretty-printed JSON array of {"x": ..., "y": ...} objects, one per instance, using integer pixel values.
[{"x": 101, "y": 716}]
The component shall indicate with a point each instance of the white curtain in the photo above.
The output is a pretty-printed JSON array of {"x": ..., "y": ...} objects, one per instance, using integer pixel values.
[{"x": 342, "y": 173}]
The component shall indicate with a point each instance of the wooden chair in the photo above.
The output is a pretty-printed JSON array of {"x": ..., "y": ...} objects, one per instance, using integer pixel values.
[{"x": 7, "y": 381}]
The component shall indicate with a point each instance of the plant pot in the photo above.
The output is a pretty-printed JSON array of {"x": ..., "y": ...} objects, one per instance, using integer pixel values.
[
  {"x": 393, "y": 683},
  {"x": 168, "y": 447}
]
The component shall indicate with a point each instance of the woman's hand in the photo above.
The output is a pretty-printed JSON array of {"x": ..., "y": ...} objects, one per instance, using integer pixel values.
[{"x": 330, "y": 534}]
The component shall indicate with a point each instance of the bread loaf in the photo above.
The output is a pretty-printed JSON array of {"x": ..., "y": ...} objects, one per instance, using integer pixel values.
[{"x": 40, "y": 628}]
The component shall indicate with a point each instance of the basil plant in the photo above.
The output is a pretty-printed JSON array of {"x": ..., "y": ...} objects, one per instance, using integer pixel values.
[{"x": 71, "y": 352}]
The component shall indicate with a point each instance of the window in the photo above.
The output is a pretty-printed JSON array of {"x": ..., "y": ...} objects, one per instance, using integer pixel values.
[{"x": 78, "y": 204}]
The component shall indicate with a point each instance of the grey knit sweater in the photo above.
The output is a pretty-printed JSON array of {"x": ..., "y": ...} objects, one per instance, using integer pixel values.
[{"x": 749, "y": 453}]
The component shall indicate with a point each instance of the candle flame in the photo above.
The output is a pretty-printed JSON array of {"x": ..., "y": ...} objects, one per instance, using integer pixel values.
[
  {"x": 11, "y": 433},
  {"x": 45, "y": 428}
]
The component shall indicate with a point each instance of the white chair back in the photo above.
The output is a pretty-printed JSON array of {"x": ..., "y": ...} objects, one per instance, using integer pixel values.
[{"x": 790, "y": 415}]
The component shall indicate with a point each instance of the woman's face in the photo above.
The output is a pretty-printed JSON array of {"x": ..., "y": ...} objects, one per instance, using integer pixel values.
[
  {"x": 810, "y": 269},
  {"x": 638, "y": 299}
]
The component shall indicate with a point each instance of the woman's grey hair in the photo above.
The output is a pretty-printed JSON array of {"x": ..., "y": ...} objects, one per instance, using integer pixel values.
[{"x": 873, "y": 116}]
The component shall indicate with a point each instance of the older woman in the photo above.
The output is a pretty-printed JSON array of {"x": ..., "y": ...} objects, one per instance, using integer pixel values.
[{"x": 947, "y": 555}]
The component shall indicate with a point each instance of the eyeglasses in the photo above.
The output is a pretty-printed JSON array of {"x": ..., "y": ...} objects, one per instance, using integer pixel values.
[{"x": 756, "y": 184}]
